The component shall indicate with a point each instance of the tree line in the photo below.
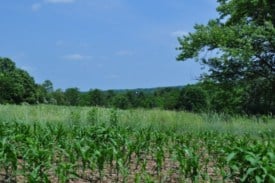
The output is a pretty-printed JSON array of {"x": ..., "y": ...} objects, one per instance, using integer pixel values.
[
  {"x": 17, "y": 87},
  {"x": 203, "y": 96}
]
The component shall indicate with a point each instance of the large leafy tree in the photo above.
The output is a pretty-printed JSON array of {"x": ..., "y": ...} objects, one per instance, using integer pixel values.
[
  {"x": 16, "y": 85},
  {"x": 242, "y": 42}
]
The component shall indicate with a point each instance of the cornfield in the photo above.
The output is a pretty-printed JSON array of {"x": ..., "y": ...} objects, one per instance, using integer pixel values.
[{"x": 78, "y": 144}]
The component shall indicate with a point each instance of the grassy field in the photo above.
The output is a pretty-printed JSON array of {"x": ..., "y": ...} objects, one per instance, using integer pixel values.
[{"x": 81, "y": 144}]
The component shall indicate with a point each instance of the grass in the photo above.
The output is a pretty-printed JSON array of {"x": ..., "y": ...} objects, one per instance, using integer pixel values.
[{"x": 138, "y": 118}]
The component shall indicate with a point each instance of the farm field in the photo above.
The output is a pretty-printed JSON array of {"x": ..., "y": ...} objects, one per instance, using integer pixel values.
[{"x": 47, "y": 143}]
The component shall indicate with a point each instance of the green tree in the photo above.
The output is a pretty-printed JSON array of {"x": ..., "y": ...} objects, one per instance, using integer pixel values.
[
  {"x": 72, "y": 96},
  {"x": 132, "y": 98},
  {"x": 48, "y": 85},
  {"x": 242, "y": 40},
  {"x": 109, "y": 95},
  {"x": 59, "y": 97},
  {"x": 84, "y": 99},
  {"x": 6, "y": 89},
  {"x": 192, "y": 98},
  {"x": 141, "y": 98},
  {"x": 96, "y": 97},
  {"x": 223, "y": 98},
  {"x": 45, "y": 92},
  {"x": 16, "y": 85},
  {"x": 171, "y": 98},
  {"x": 121, "y": 101}
]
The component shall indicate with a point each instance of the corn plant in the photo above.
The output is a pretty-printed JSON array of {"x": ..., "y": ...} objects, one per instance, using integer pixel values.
[
  {"x": 253, "y": 163},
  {"x": 113, "y": 117},
  {"x": 92, "y": 116},
  {"x": 8, "y": 159}
]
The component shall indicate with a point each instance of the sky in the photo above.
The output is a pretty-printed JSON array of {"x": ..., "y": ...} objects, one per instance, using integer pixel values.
[{"x": 103, "y": 44}]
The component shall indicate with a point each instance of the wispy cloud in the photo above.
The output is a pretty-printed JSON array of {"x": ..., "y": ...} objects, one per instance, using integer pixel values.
[
  {"x": 59, "y": 1},
  {"x": 124, "y": 53},
  {"x": 77, "y": 57},
  {"x": 179, "y": 33},
  {"x": 36, "y": 6}
]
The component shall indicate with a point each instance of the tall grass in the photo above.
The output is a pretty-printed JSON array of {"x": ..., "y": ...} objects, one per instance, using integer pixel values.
[{"x": 137, "y": 118}]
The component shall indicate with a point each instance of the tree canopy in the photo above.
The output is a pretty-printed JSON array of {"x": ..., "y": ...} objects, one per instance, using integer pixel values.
[
  {"x": 242, "y": 45},
  {"x": 16, "y": 85}
]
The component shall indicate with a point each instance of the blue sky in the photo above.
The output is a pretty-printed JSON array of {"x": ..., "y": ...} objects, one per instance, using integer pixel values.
[{"x": 105, "y": 44}]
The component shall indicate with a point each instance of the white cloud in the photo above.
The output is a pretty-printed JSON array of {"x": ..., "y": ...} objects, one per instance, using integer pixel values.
[
  {"x": 77, "y": 57},
  {"x": 179, "y": 33},
  {"x": 36, "y": 6},
  {"x": 59, "y": 1},
  {"x": 124, "y": 53}
]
